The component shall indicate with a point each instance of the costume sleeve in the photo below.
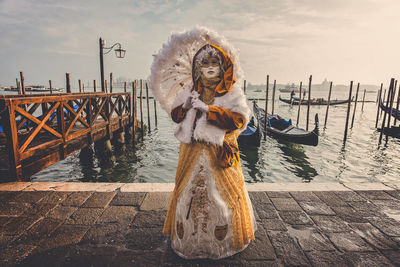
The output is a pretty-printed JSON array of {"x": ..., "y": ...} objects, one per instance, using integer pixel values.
[
  {"x": 225, "y": 118},
  {"x": 178, "y": 114}
]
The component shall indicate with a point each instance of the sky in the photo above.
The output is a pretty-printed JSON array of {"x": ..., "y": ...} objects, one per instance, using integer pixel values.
[{"x": 340, "y": 40}]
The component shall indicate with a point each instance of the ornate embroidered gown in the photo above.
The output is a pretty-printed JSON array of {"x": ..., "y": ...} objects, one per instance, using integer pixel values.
[{"x": 210, "y": 214}]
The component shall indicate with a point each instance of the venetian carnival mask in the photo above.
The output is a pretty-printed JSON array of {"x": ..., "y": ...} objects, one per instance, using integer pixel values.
[{"x": 210, "y": 67}]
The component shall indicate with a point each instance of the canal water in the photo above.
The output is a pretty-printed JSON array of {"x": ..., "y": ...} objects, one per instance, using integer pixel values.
[{"x": 155, "y": 158}]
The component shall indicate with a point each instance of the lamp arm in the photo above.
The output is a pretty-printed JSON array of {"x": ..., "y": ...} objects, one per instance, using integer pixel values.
[{"x": 110, "y": 48}]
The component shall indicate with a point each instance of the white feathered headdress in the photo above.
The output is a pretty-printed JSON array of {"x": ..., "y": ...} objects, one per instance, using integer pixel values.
[{"x": 171, "y": 71}]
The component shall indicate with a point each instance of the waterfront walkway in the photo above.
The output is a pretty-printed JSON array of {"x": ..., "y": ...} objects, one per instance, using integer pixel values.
[{"x": 115, "y": 224}]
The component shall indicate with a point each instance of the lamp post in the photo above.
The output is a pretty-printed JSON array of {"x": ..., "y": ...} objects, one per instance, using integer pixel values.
[{"x": 119, "y": 53}]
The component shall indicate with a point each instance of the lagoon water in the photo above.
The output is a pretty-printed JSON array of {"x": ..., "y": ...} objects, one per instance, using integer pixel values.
[{"x": 155, "y": 158}]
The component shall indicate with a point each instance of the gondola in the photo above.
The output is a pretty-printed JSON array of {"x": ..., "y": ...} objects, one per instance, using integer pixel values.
[
  {"x": 314, "y": 101},
  {"x": 251, "y": 135},
  {"x": 395, "y": 113},
  {"x": 393, "y": 131},
  {"x": 283, "y": 129}
]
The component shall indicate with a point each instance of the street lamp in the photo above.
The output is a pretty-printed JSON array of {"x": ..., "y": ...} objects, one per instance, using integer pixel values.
[{"x": 119, "y": 53}]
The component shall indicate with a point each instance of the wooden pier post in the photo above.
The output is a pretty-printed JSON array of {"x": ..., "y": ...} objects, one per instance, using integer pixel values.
[
  {"x": 80, "y": 86},
  {"x": 83, "y": 88},
  {"x": 22, "y": 82},
  {"x": 141, "y": 107},
  {"x": 18, "y": 86},
  {"x": 15, "y": 170},
  {"x": 379, "y": 106},
  {"x": 387, "y": 105},
  {"x": 393, "y": 93},
  {"x": 327, "y": 106},
  {"x": 379, "y": 94},
  {"x": 266, "y": 109},
  {"x": 124, "y": 87},
  {"x": 273, "y": 98},
  {"x": 397, "y": 106},
  {"x": 309, "y": 101},
  {"x": 244, "y": 87},
  {"x": 383, "y": 102},
  {"x": 111, "y": 83},
  {"x": 148, "y": 107},
  {"x": 362, "y": 106},
  {"x": 105, "y": 85},
  {"x": 94, "y": 86},
  {"x": 134, "y": 109},
  {"x": 355, "y": 106},
  {"x": 67, "y": 83},
  {"x": 51, "y": 87},
  {"x": 348, "y": 113},
  {"x": 298, "y": 108},
  {"x": 155, "y": 112}
]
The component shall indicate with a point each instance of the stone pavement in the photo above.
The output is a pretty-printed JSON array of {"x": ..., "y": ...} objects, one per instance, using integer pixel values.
[{"x": 89, "y": 226}]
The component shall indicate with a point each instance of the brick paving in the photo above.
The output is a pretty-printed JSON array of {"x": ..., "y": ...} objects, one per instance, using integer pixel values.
[{"x": 330, "y": 228}]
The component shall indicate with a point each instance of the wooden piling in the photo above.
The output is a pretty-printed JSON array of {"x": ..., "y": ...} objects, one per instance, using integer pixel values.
[
  {"x": 387, "y": 105},
  {"x": 266, "y": 108},
  {"x": 397, "y": 106},
  {"x": 111, "y": 83},
  {"x": 141, "y": 107},
  {"x": 21, "y": 74},
  {"x": 379, "y": 106},
  {"x": 355, "y": 106},
  {"x": 83, "y": 88},
  {"x": 51, "y": 87},
  {"x": 298, "y": 109},
  {"x": 133, "y": 112},
  {"x": 155, "y": 112},
  {"x": 124, "y": 87},
  {"x": 393, "y": 93},
  {"x": 80, "y": 86},
  {"x": 148, "y": 108},
  {"x": 244, "y": 87},
  {"x": 273, "y": 98},
  {"x": 309, "y": 102},
  {"x": 348, "y": 113},
  {"x": 67, "y": 83},
  {"x": 379, "y": 94},
  {"x": 18, "y": 86},
  {"x": 383, "y": 103},
  {"x": 362, "y": 106},
  {"x": 327, "y": 106},
  {"x": 105, "y": 85},
  {"x": 94, "y": 86}
]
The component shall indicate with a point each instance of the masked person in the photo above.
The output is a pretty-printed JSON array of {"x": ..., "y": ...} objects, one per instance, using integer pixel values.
[{"x": 210, "y": 214}]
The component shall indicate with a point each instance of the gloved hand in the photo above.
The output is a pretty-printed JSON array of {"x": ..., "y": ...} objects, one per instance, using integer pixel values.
[{"x": 200, "y": 105}]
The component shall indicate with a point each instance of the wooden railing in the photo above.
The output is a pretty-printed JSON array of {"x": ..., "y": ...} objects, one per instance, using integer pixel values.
[{"x": 40, "y": 130}]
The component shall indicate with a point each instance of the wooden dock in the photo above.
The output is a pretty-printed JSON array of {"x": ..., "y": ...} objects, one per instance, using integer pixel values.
[{"x": 42, "y": 129}]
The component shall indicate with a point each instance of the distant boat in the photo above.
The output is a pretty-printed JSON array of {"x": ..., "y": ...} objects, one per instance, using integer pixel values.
[
  {"x": 314, "y": 101},
  {"x": 283, "y": 129},
  {"x": 289, "y": 88}
]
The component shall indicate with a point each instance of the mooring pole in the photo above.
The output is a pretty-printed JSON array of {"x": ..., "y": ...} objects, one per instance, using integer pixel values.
[
  {"x": 273, "y": 98},
  {"x": 22, "y": 82},
  {"x": 355, "y": 106},
  {"x": 155, "y": 112},
  {"x": 266, "y": 108},
  {"x": 327, "y": 106},
  {"x": 148, "y": 107},
  {"x": 18, "y": 87},
  {"x": 348, "y": 113},
  {"x": 124, "y": 87},
  {"x": 80, "y": 86},
  {"x": 51, "y": 87},
  {"x": 362, "y": 107},
  {"x": 383, "y": 103},
  {"x": 379, "y": 106},
  {"x": 387, "y": 105},
  {"x": 134, "y": 110},
  {"x": 244, "y": 87},
  {"x": 391, "y": 104},
  {"x": 94, "y": 86},
  {"x": 67, "y": 83},
  {"x": 298, "y": 109},
  {"x": 309, "y": 102},
  {"x": 101, "y": 66},
  {"x": 397, "y": 107},
  {"x": 141, "y": 107},
  {"x": 111, "y": 83}
]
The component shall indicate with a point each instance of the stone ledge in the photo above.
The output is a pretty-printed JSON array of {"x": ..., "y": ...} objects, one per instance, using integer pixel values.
[{"x": 168, "y": 187}]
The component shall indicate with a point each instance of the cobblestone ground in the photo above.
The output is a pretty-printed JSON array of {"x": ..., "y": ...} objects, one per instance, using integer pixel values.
[{"x": 334, "y": 228}]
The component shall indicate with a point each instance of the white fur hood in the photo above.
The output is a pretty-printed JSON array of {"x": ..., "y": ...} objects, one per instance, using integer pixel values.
[{"x": 234, "y": 100}]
